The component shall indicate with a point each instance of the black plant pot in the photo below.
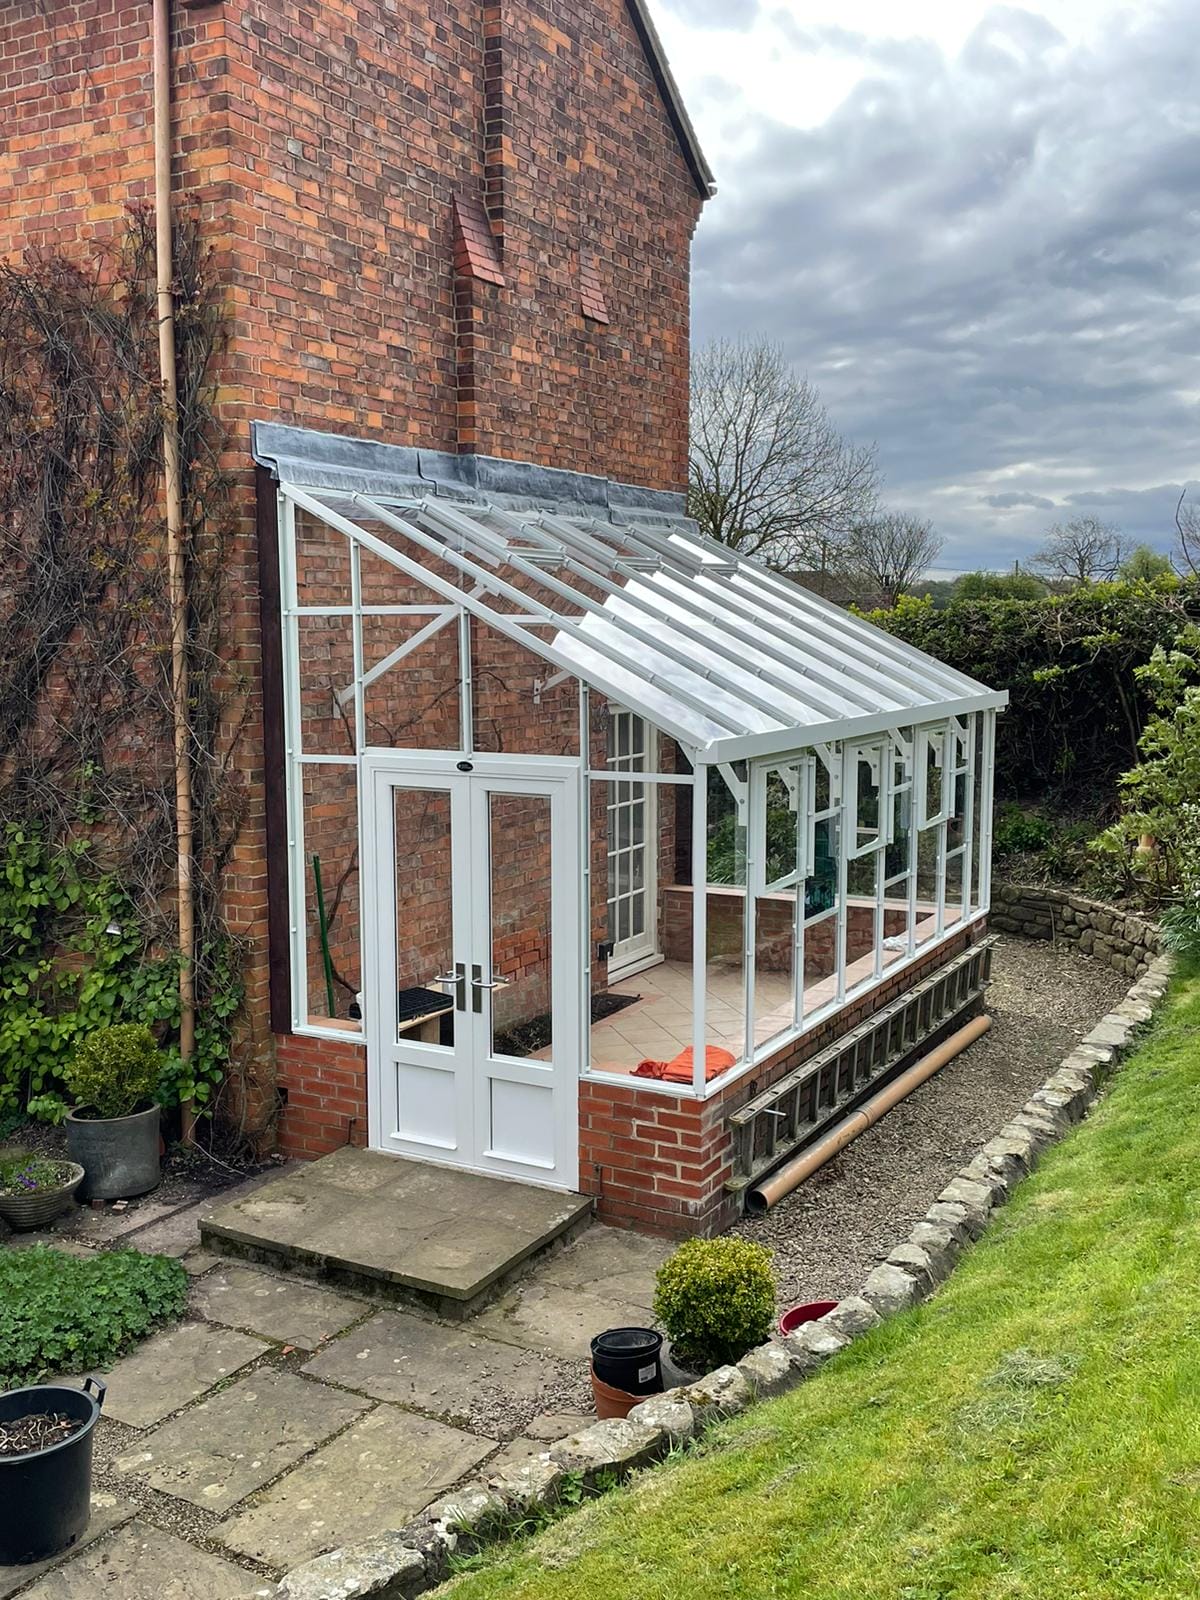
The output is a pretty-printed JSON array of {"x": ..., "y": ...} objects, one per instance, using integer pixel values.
[
  {"x": 45, "y": 1496},
  {"x": 627, "y": 1359}
]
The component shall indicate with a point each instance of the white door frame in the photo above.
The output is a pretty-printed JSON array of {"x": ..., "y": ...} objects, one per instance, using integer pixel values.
[{"x": 469, "y": 781}]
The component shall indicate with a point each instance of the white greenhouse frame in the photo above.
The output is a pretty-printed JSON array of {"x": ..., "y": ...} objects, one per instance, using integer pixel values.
[{"x": 740, "y": 667}]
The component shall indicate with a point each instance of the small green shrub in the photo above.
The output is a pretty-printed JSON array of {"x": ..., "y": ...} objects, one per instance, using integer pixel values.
[
  {"x": 115, "y": 1071},
  {"x": 1180, "y": 922},
  {"x": 716, "y": 1300},
  {"x": 1181, "y": 927},
  {"x": 62, "y": 1315},
  {"x": 1016, "y": 830}
]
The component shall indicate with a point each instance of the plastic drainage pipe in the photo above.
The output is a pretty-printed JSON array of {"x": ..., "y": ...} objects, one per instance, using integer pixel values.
[{"x": 764, "y": 1195}]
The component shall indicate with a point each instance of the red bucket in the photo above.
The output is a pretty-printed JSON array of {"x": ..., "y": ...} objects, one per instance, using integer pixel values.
[{"x": 797, "y": 1316}]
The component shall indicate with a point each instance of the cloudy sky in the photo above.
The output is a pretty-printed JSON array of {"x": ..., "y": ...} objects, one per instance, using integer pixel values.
[{"x": 976, "y": 228}]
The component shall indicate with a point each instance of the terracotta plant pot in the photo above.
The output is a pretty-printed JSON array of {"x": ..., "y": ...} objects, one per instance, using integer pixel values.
[
  {"x": 612, "y": 1402},
  {"x": 796, "y": 1316}
]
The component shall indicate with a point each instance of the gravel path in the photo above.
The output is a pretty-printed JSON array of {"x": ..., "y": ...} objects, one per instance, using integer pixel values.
[{"x": 830, "y": 1232}]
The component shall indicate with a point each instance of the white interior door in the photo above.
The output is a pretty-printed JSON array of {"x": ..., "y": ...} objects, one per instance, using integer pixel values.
[
  {"x": 473, "y": 992},
  {"x": 632, "y": 847}
]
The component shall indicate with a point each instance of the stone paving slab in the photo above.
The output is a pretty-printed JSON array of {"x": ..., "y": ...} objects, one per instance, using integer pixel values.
[
  {"x": 611, "y": 1261},
  {"x": 288, "y": 1310},
  {"x": 139, "y": 1562},
  {"x": 196, "y": 1261},
  {"x": 231, "y": 1444},
  {"x": 398, "y": 1226},
  {"x": 172, "y": 1368},
  {"x": 453, "y": 1373},
  {"x": 378, "y": 1474},
  {"x": 63, "y": 1242},
  {"x": 165, "y": 1222},
  {"x": 97, "y": 1225},
  {"x": 179, "y": 1231},
  {"x": 107, "y": 1513},
  {"x": 550, "y": 1317}
]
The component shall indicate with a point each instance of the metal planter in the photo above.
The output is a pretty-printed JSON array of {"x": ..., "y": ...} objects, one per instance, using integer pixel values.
[{"x": 119, "y": 1155}]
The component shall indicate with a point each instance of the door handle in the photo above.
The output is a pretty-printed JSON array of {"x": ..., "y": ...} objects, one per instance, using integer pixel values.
[
  {"x": 479, "y": 983},
  {"x": 459, "y": 979}
]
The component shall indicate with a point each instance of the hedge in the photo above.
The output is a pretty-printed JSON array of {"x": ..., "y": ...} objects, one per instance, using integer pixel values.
[{"x": 1076, "y": 709}]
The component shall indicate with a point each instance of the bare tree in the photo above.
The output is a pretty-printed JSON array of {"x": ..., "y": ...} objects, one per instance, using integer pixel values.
[
  {"x": 770, "y": 475},
  {"x": 1084, "y": 550},
  {"x": 886, "y": 555},
  {"x": 1187, "y": 529}
]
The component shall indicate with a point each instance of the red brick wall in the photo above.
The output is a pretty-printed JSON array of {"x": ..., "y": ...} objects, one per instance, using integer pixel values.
[
  {"x": 323, "y": 1084},
  {"x": 659, "y": 1163},
  {"x": 775, "y": 930},
  {"x": 351, "y": 126},
  {"x": 322, "y": 147}
]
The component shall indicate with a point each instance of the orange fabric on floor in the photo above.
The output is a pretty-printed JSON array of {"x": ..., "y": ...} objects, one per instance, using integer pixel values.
[{"x": 679, "y": 1068}]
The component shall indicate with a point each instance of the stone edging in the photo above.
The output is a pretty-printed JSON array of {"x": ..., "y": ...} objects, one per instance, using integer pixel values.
[
  {"x": 402, "y": 1564},
  {"x": 1123, "y": 940}
]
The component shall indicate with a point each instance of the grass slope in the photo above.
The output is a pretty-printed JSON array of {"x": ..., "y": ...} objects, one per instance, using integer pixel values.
[{"x": 1033, "y": 1431}]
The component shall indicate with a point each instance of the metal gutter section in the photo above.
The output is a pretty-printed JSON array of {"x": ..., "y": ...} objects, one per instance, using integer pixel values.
[{"x": 309, "y": 459}]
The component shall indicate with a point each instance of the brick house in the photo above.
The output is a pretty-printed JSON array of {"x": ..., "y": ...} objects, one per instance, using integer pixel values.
[{"x": 513, "y": 845}]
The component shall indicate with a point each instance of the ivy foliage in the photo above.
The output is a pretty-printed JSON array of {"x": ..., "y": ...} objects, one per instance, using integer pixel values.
[
  {"x": 1070, "y": 664},
  {"x": 88, "y": 846},
  {"x": 61, "y": 1315},
  {"x": 74, "y": 958},
  {"x": 716, "y": 1299}
]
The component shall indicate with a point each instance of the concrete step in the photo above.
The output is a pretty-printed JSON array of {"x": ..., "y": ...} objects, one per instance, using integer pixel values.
[{"x": 400, "y": 1230}]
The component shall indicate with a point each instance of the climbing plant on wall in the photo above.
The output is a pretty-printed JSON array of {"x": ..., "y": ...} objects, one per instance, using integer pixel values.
[{"x": 87, "y": 840}]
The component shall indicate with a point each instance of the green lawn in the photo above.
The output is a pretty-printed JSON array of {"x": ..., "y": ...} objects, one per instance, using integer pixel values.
[{"x": 1033, "y": 1431}]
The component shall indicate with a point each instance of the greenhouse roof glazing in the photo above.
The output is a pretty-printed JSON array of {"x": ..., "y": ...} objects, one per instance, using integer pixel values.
[{"x": 616, "y": 586}]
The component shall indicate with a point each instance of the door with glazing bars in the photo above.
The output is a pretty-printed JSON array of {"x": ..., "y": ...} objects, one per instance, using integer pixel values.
[
  {"x": 632, "y": 846},
  {"x": 473, "y": 972}
]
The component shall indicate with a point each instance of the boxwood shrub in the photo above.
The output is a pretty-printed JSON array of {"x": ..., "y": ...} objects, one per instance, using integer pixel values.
[
  {"x": 716, "y": 1300},
  {"x": 62, "y": 1314}
]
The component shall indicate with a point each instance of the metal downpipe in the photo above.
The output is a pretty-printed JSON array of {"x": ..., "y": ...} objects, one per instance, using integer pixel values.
[
  {"x": 176, "y": 535},
  {"x": 765, "y": 1193}
]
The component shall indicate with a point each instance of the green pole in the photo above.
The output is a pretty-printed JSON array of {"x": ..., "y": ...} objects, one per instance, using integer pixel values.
[{"x": 324, "y": 926}]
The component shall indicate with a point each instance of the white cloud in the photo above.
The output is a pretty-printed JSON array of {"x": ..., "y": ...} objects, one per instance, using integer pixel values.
[{"x": 978, "y": 238}]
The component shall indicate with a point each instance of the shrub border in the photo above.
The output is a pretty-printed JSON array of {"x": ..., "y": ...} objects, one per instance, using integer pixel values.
[{"x": 401, "y": 1564}]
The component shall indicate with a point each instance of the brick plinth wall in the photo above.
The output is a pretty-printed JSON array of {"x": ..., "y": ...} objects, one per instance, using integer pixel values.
[
  {"x": 323, "y": 1086},
  {"x": 775, "y": 930},
  {"x": 655, "y": 1162},
  {"x": 659, "y": 1163}
]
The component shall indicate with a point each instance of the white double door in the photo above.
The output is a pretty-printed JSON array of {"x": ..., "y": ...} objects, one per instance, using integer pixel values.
[{"x": 473, "y": 985}]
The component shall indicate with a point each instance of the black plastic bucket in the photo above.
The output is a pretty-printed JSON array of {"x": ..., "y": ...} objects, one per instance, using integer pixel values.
[
  {"x": 45, "y": 1496},
  {"x": 628, "y": 1359}
]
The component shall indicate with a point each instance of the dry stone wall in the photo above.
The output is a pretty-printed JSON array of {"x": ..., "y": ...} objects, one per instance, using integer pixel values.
[{"x": 1122, "y": 940}]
